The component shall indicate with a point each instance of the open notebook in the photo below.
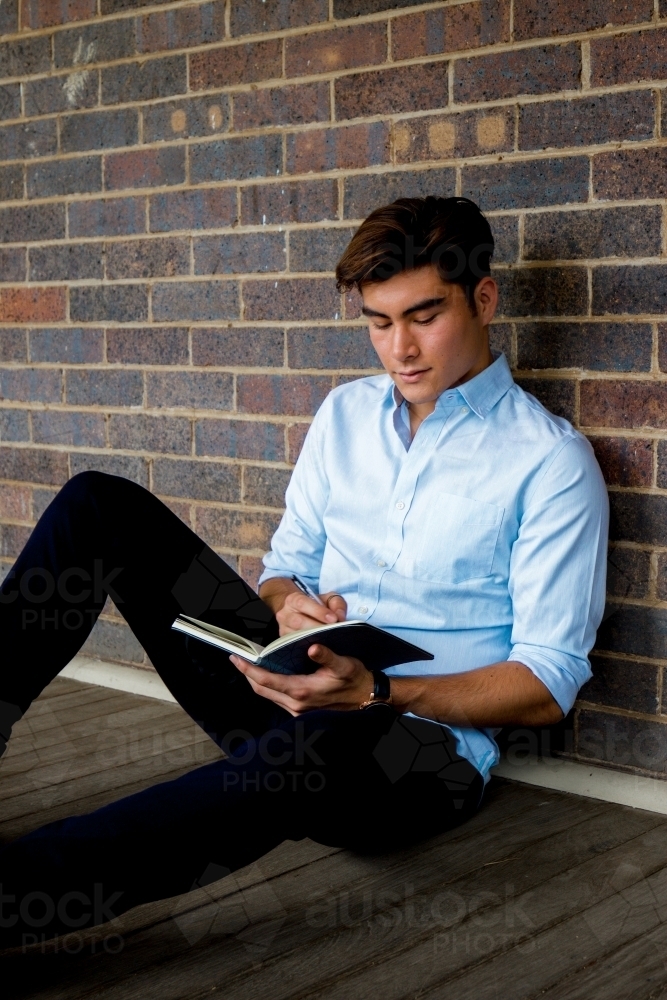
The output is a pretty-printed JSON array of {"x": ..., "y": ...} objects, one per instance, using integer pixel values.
[{"x": 376, "y": 648}]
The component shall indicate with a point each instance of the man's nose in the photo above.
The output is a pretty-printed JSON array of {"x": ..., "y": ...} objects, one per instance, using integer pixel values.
[{"x": 403, "y": 344}]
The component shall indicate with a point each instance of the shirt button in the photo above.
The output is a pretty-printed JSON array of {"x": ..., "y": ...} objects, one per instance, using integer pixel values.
[
  {"x": 464, "y": 409},
  {"x": 400, "y": 505},
  {"x": 362, "y": 609},
  {"x": 381, "y": 562}
]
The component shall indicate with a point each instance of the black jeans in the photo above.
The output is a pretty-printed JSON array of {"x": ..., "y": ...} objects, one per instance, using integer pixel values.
[{"x": 368, "y": 780}]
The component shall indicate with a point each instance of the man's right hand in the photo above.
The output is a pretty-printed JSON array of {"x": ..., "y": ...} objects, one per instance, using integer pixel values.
[{"x": 295, "y": 610}]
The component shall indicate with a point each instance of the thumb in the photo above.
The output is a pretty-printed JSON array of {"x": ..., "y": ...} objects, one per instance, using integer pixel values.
[
  {"x": 322, "y": 655},
  {"x": 337, "y": 604}
]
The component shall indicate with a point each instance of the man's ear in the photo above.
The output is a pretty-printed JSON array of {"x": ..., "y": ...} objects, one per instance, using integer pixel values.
[{"x": 486, "y": 299}]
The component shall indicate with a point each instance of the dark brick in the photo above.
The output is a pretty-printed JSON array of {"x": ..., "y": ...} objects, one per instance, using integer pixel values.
[
  {"x": 588, "y": 120},
  {"x": 208, "y": 208},
  {"x": 143, "y": 433},
  {"x": 240, "y": 439},
  {"x": 505, "y": 229},
  {"x": 148, "y": 346},
  {"x": 14, "y": 539},
  {"x": 99, "y": 130},
  {"x": 296, "y": 435},
  {"x": 623, "y": 404},
  {"x": 100, "y": 387},
  {"x": 12, "y": 264},
  {"x": 127, "y": 466},
  {"x": 317, "y": 249},
  {"x": 112, "y": 640},
  {"x": 114, "y": 6},
  {"x": 145, "y": 168},
  {"x": 57, "y": 177},
  {"x": 298, "y": 395},
  {"x": 662, "y": 346},
  {"x": 500, "y": 339},
  {"x": 389, "y": 91},
  {"x": 628, "y": 58},
  {"x": 181, "y": 28},
  {"x": 25, "y": 141},
  {"x": 595, "y": 346},
  {"x": 236, "y": 529},
  {"x": 26, "y": 56},
  {"x": 628, "y": 572},
  {"x": 264, "y": 486},
  {"x": 73, "y": 346},
  {"x": 41, "y": 500},
  {"x": 144, "y": 81},
  {"x": 238, "y": 159},
  {"x": 290, "y": 299},
  {"x": 461, "y": 27},
  {"x": 250, "y": 568},
  {"x": 44, "y": 13},
  {"x": 68, "y": 428},
  {"x": 30, "y": 384},
  {"x": 196, "y": 300},
  {"x": 14, "y": 425},
  {"x": 468, "y": 133},
  {"x": 240, "y": 253},
  {"x": 298, "y": 201},
  {"x": 355, "y": 8},
  {"x": 197, "y": 480},
  {"x": 9, "y": 17},
  {"x": 33, "y": 465},
  {"x": 116, "y": 303},
  {"x": 543, "y": 70},
  {"x": 32, "y": 305},
  {"x": 251, "y": 16},
  {"x": 331, "y": 347},
  {"x": 50, "y": 95},
  {"x": 339, "y": 48},
  {"x": 631, "y": 173},
  {"x": 110, "y": 217},
  {"x": 364, "y": 192},
  {"x": 291, "y": 105},
  {"x": 199, "y": 390},
  {"x": 533, "y": 19},
  {"x": 190, "y": 117},
  {"x": 527, "y": 185},
  {"x": 638, "y": 517},
  {"x": 338, "y": 148},
  {"x": 622, "y": 684},
  {"x": 556, "y": 394},
  {"x": 611, "y": 232},
  {"x": 544, "y": 291},
  {"x": 147, "y": 258},
  {"x": 257, "y": 348},
  {"x": 11, "y": 181},
  {"x": 640, "y": 631},
  {"x": 627, "y": 289},
  {"x": 625, "y": 461},
  {"x": 13, "y": 344},
  {"x": 66, "y": 262},
  {"x": 662, "y": 465},
  {"x": 10, "y": 101},
  {"x": 662, "y": 586},
  {"x": 101, "y": 42},
  {"x": 236, "y": 64}
]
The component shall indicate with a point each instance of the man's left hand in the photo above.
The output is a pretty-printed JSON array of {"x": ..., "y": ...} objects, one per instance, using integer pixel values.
[{"x": 341, "y": 682}]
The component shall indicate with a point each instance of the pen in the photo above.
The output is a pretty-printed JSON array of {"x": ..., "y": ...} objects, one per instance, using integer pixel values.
[{"x": 307, "y": 591}]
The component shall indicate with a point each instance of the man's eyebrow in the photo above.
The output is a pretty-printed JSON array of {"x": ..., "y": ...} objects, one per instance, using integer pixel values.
[{"x": 424, "y": 304}]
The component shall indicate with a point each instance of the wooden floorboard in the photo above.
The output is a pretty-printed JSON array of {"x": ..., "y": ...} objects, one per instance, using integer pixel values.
[{"x": 541, "y": 894}]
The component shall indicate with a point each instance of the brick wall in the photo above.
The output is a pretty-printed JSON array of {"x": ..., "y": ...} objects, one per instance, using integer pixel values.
[{"x": 178, "y": 180}]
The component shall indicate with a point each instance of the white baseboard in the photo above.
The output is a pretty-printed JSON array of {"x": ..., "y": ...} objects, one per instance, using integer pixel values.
[
  {"x": 587, "y": 779},
  {"x": 560, "y": 775}
]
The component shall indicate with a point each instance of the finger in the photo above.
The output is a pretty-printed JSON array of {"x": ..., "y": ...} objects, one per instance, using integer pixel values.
[
  {"x": 275, "y": 682},
  {"x": 337, "y": 604},
  {"x": 311, "y": 608}
]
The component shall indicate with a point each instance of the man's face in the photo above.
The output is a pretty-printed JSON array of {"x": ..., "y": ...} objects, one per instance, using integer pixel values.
[{"x": 425, "y": 333}]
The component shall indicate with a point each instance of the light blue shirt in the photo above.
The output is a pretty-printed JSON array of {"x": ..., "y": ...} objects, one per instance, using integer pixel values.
[{"x": 482, "y": 540}]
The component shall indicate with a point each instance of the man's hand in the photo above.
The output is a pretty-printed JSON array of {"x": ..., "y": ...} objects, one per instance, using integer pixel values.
[
  {"x": 295, "y": 610},
  {"x": 341, "y": 682}
]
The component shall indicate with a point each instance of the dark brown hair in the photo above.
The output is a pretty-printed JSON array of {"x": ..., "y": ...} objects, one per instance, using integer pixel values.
[{"x": 410, "y": 233}]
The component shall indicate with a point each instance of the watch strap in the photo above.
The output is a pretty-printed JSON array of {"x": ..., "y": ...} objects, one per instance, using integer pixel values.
[{"x": 381, "y": 693}]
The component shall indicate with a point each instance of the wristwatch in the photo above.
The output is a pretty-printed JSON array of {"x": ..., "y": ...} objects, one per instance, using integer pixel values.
[{"x": 381, "y": 693}]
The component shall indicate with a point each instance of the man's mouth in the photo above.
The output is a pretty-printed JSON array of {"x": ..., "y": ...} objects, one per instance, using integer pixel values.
[{"x": 413, "y": 376}]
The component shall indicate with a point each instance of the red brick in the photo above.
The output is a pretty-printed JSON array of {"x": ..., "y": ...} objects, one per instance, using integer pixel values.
[
  {"x": 389, "y": 91},
  {"x": 641, "y": 55},
  {"x": 250, "y": 569},
  {"x": 44, "y": 13},
  {"x": 298, "y": 395},
  {"x": 339, "y": 48},
  {"x": 236, "y": 64},
  {"x": 297, "y": 201},
  {"x": 33, "y": 465},
  {"x": 290, "y": 299},
  {"x": 438, "y": 137},
  {"x": 338, "y": 148},
  {"x": 205, "y": 208},
  {"x": 15, "y": 503},
  {"x": 145, "y": 168},
  {"x": 625, "y": 461},
  {"x": 535, "y": 18},
  {"x": 32, "y": 305},
  {"x": 182, "y": 28},
  {"x": 463, "y": 26},
  {"x": 236, "y": 529},
  {"x": 152, "y": 258},
  {"x": 623, "y": 404},
  {"x": 353, "y": 303},
  {"x": 542, "y": 70},
  {"x": 292, "y": 105},
  {"x": 296, "y": 435},
  {"x": 631, "y": 173},
  {"x": 251, "y": 16}
]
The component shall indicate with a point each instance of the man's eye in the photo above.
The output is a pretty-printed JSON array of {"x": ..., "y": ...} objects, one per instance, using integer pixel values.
[
  {"x": 425, "y": 322},
  {"x": 381, "y": 326}
]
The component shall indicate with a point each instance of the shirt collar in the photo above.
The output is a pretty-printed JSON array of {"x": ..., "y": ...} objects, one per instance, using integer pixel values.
[{"x": 481, "y": 393}]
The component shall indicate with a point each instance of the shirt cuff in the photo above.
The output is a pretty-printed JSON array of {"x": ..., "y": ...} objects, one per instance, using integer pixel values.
[{"x": 562, "y": 674}]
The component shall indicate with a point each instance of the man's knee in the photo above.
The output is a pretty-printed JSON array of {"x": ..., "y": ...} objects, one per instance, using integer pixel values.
[{"x": 92, "y": 486}]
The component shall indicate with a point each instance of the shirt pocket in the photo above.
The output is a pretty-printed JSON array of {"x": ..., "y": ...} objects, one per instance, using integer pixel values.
[{"x": 458, "y": 539}]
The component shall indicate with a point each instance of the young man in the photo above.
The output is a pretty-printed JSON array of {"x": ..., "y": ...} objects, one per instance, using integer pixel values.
[{"x": 439, "y": 501}]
